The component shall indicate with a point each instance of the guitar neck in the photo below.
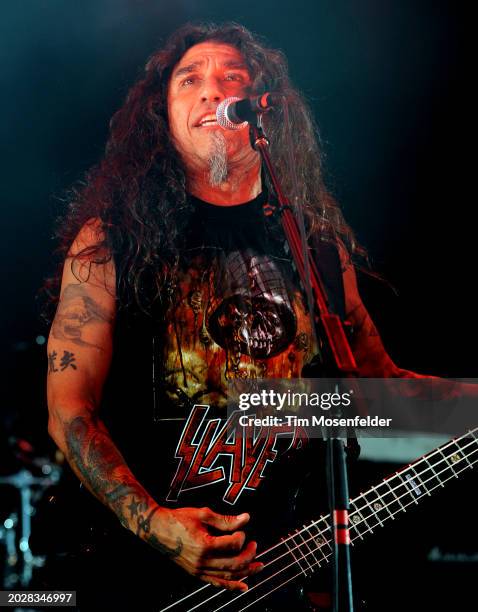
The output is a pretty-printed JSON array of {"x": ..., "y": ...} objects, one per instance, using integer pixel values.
[{"x": 312, "y": 545}]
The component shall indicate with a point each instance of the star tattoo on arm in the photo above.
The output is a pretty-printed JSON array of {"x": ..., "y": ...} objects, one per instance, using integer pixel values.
[{"x": 102, "y": 468}]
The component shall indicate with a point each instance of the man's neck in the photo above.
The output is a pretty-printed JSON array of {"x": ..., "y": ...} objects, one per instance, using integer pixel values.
[{"x": 241, "y": 186}]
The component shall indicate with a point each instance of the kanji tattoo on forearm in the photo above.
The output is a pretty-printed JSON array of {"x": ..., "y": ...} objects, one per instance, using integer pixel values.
[
  {"x": 76, "y": 311},
  {"x": 67, "y": 361}
]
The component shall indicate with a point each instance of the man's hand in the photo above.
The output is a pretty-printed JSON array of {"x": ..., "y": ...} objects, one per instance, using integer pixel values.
[{"x": 205, "y": 544}]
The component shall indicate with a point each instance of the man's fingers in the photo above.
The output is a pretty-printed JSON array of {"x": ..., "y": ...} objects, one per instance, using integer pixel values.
[
  {"x": 249, "y": 570},
  {"x": 230, "y": 585},
  {"x": 224, "y": 522},
  {"x": 226, "y": 544},
  {"x": 236, "y": 563}
]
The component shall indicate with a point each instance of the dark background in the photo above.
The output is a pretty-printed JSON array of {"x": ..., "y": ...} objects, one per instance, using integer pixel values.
[{"x": 389, "y": 84}]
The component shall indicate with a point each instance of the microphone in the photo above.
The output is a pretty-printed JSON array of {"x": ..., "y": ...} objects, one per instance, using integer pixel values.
[{"x": 235, "y": 113}]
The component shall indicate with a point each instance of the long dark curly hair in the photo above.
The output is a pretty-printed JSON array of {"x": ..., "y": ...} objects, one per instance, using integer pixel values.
[{"x": 138, "y": 189}]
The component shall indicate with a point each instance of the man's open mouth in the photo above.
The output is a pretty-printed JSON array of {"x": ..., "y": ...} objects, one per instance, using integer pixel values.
[{"x": 208, "y": 120}]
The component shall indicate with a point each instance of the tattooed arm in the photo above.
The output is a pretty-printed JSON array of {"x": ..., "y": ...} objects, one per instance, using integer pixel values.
[
  {"x": 372, "y": 359},
  {"x": 79, "y": 356}
]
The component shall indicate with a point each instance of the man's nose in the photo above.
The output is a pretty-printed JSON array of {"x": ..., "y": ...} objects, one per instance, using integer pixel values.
[{"x": 212, "y": 90}]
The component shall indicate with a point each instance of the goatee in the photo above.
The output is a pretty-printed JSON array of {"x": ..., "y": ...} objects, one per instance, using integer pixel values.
[{"x": 217, "y": 159}]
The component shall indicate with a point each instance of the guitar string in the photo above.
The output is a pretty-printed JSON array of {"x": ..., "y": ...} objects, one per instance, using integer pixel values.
[
  {"x": 327, "y": 556},
  {"x": 324, "y": 518},
  {"x": 312, "y": 539},
  {"x": 386, "y": 481},
  {"x": 330, "y": 554},
  {"x": 355, "y": 525},
  {"x": 196, "y": 592},
  {"x": 402, "y": 483},
  {"x": 411, "y": 503}
]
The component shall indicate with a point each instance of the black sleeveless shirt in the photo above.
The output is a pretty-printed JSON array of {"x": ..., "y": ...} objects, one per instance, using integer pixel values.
[{"x": 236, "y": 310}]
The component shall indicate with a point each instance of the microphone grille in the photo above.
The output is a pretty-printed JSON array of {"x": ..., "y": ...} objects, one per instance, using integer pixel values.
[{"x": 223, "y": 118}]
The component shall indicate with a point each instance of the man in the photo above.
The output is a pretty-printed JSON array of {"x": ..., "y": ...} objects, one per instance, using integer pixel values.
[{"x": 175, "y": 282}]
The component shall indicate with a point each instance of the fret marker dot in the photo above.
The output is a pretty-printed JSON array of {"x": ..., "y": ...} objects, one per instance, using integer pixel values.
[
  {"x": 455, "y": 458},
  {"x": 377, "y": 506},
  {"x": 357, "y": 518}
]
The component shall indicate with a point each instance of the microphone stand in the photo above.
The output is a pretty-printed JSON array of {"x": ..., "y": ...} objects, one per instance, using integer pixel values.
[{"x": 342, "y": 365}]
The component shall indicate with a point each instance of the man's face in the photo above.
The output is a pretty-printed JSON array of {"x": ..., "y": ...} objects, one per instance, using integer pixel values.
[{"x": 207, "y": 74}]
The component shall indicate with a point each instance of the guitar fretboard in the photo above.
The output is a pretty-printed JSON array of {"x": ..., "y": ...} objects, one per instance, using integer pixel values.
[{"x": 311, "y": 546}]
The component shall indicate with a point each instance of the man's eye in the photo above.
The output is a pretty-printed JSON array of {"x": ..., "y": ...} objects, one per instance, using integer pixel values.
[
  {"x": 189, "y": 81},
  {"x": 233, "y": 77}
]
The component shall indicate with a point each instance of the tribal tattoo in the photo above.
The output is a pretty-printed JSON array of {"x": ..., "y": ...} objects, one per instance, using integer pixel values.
[{"x": 76, "y": 311}]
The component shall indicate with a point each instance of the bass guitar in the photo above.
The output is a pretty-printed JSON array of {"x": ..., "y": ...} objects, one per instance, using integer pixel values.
[{"x": 310, "y": 547}]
